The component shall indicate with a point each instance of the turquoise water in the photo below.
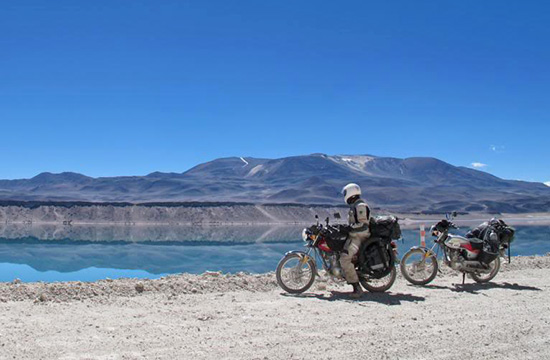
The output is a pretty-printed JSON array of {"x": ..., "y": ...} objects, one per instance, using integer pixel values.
[{"x": 89, "y": 258}]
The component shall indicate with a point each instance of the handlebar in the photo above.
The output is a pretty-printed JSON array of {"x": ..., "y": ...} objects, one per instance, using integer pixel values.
[{"x": 339, "y": 228}]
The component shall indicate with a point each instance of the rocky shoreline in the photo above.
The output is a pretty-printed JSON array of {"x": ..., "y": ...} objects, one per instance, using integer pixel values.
[{"x": 181, "y": 284}]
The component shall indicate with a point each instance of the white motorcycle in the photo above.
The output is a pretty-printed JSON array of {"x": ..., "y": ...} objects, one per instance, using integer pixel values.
[{"x": 467, "y": 255}]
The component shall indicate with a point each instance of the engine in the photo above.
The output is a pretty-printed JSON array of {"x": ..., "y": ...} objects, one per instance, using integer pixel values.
[
  {"x": 460, "y": 262},
  {"x": 456, "y": 258},
  {"x": 334, "y": 265}
]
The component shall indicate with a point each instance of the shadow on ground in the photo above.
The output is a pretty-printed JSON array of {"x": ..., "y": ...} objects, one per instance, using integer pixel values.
[
  {"x": 474, "y": 288},
  {"x": 387, "y": 298}
]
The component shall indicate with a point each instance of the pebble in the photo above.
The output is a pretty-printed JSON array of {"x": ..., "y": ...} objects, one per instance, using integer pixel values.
[
  {"x": 213, "y": 273},
  {"x": 140, "y": 287}
]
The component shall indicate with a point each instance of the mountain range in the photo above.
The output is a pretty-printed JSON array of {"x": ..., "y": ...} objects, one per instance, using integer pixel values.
[{"x": 417, "y": 184}]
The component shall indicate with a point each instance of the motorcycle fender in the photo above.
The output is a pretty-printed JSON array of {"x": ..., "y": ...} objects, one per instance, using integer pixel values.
[
  {"x": 301, "y": 254},
  {"x": 304, "y": 258},
  {"x": 427, "y": 252}
]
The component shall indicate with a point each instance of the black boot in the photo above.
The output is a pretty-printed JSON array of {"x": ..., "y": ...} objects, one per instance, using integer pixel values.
[{"x": 357, "y": 291}]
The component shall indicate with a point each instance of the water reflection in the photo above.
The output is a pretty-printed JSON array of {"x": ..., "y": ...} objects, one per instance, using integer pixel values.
[
  {"x": 158, "y": 233},
  {"x": 87, "y": 253},
  {"x": 153, "y": 259}
]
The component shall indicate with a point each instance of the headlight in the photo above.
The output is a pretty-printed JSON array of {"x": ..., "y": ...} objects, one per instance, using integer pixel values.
[{"x": 304, "y": 235}]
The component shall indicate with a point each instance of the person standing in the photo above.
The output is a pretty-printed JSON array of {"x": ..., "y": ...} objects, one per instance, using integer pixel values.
[{"x": 358, "y": 219}]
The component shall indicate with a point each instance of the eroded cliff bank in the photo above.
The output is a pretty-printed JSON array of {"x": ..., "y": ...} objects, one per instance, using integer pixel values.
[{"x": 168, "y": 213}]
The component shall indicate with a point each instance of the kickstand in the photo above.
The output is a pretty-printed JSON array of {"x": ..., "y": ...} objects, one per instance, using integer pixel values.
[{"x": 463, "y": 278}]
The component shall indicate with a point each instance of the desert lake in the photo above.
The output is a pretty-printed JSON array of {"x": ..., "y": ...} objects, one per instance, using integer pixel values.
[{"x": 89, "y": 253}]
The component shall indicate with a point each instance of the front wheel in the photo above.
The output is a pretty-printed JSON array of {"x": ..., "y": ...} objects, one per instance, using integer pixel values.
[
  {"x": 379, "y": 285},
  {"x": 419, "y": 267},
  {"x": 486, "y": 277},
  {"x": 296, "y": 273}
]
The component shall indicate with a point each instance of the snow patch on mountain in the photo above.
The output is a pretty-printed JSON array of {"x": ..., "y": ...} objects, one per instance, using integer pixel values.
[
  {"x": 354, "y": 162},
  {"x": 256, "y": 169}
]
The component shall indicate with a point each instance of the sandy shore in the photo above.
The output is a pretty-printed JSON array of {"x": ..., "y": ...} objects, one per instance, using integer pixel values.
[{"x": 216, "y": 316}]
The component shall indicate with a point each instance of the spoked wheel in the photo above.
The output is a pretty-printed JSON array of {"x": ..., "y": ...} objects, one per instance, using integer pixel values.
[
  {"x": 486, "y": 277},
  {"x": 378, "y": 285},
  {"x": 294, "y": 275},
  {"x": 419, "y": 267}
]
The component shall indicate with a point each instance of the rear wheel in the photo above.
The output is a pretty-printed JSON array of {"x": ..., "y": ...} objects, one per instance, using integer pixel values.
[
  {"x": 486, "y": 277},
  {"x": 419, "y": 267},
  {"x": 295, "y": 273},
  {"x": 378, "y": 285}
]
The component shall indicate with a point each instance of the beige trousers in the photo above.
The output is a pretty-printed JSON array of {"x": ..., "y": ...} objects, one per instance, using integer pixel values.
[{"x": 352, "y": 246}]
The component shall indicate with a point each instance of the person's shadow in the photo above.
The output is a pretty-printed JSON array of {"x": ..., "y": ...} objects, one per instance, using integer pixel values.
[{"x": 386, "y": 298}]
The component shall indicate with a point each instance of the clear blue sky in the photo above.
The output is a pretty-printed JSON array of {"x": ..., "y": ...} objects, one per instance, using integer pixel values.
[{"x": 129, "y": 87}]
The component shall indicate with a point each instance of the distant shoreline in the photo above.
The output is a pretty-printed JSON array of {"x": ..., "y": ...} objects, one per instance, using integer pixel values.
[{"x": 216, "y": 214}]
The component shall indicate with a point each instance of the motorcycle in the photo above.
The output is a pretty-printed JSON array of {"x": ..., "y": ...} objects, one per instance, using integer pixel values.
[
  {"x": 375, "y": 261},
  {"x": 467, "y": 255}
]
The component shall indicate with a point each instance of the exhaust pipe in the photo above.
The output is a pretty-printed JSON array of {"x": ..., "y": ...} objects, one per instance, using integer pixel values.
[{"x": 472, "y": 266}]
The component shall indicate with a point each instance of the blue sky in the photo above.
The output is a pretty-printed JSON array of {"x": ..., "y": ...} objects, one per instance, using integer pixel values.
[{"x": 129, "y": 87}]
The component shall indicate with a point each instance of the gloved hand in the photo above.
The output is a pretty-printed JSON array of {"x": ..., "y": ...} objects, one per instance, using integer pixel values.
[{"x": 345, "y": 229}]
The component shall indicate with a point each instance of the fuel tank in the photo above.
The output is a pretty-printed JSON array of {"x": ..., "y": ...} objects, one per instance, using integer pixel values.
[
  {"x": 323, "y": 246},
  {"x": 456, "y": 242},
  {"x": 470, "y": 248}
]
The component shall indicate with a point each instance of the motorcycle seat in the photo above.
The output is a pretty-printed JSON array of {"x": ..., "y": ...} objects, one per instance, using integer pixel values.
[{"x": 477, "y": 244}]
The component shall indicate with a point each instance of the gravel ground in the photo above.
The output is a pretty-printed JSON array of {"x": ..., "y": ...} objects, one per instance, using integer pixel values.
[{"x": 243, "y": 316}]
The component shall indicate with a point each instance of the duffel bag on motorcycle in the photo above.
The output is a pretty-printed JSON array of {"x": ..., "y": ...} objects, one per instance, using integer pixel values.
[
  {"x": 336, "y": 237},
  {"x": 504, "y": 232},
  {"x": 376, "y": 257},
  {"x": 336, "y": 242},
  {"x": 495, "y": 234},
  {"x": 385, "y": 227},
  {"x": 488, "y": 253}
]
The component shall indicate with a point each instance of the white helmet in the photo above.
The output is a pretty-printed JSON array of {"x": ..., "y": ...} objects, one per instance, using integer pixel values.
[{"x": 351, "y": 190}]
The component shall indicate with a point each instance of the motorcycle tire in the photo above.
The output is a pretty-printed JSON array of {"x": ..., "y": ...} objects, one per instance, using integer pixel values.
[
  {"x": 381, "y": 288},
  {"x": 408, "y": 276},
  {"x": 286, "y": 287},
  {"x": 483, "y": 279}
]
